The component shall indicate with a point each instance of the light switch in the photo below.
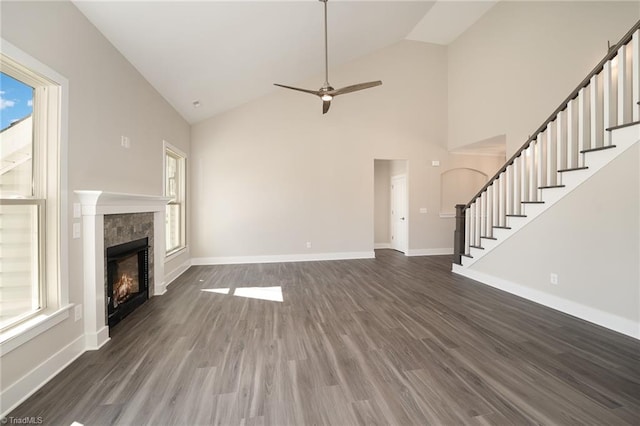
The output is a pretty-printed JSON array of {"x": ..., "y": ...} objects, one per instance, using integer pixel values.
[
  {"x": 423, "y": 210},
  {"x": 435, "y": 163},
  {"x": 78, "y": 313},
  {"x": 76, "y": 230},
  {"x": 77, "y": 210}
]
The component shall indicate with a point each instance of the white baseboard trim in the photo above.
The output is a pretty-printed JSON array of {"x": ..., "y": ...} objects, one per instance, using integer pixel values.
[
  {"x": 429, "y": 252},
  {"x": 605, "y": 319},
  {"x": 94, "y": 341},
  {"x": 19, "y": 391},
  {"x": 171, "y": 276},
  {"x": 159, "y": 289},
  {"x": 311, "y": 257},
  {"x": 382, "y": 246}
]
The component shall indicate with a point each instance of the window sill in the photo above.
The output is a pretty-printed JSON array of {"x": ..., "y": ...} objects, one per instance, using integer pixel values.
[
  {"x": 172, "y": 255},
  {"x": 21, "y": 334}
]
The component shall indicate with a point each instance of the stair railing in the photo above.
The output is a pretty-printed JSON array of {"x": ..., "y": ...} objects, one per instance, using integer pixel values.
[{"x": 609, "y": 97}]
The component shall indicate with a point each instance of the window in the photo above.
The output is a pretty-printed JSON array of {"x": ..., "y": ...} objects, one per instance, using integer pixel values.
[
  {"x": 174, "y": 188},
  {"x": 31, "y": 243}
]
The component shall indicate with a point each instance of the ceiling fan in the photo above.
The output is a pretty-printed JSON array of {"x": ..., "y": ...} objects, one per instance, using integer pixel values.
[{"x": 326, "y": 92}]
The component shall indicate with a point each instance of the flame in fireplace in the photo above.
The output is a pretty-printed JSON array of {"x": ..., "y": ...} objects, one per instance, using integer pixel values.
[{"x": 122, "y": 289}]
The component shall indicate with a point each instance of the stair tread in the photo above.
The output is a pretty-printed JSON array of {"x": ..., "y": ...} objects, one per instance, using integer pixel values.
[
  {"x": 477, "y": 247},
  {"x": 502, "y": 227},
  {"x": 489, "y": 238},
  {"x": 467, "y": 255},
  {"x": 516, "y": 215},
  {"x": 551, "y": 186},
  {"x": 599, "y": 148},
  {"x": 573, "y": 169},
  {"x": 532, "y": 202},
  {"x": 621, "y": 126}
]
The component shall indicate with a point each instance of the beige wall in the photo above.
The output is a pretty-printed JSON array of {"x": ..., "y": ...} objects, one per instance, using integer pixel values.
[
  {"x": 514, "y": 67},
  {"x": 107, "y": 98},
  {"x": 275, "y": 173}
]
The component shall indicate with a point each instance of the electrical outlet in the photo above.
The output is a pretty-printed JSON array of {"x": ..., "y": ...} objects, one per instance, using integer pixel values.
[
  {"x": 78, "y": 313},
  {"x": 125, "y": 142},
  {"x": 308, "y": 244},
  {"x": 423, "y": 210},
  {"x": 553, "y": 278}
]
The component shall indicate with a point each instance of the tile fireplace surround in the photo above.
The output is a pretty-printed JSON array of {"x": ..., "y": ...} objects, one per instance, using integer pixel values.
[{"x": 95, "y": 205}]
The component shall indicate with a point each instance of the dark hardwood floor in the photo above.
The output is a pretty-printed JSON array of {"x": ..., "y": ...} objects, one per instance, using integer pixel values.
[{"x": 394, "y": 340}]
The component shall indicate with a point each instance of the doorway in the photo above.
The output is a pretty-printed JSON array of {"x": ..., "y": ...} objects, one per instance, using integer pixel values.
[{"x": 391, "y": 200}]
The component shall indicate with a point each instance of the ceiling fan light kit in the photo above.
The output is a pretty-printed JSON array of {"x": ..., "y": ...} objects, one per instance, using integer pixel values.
[{"x": 326, "y": 93}]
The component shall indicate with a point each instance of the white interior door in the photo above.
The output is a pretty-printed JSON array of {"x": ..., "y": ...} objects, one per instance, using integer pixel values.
[{"x": 399, "y": 220}]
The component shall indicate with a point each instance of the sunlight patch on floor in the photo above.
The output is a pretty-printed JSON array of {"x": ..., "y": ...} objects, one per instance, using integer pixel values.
[
  {"x": 273, "y": 294},
  {"x": 217, "y": 290}
]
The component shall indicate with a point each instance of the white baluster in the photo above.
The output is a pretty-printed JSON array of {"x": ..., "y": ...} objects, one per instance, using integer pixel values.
[
  {"x": 582, "y": 124},
  {"x": 571, "y": 135},
  {"x": 635, "y": 52},
  {"x": 472, "y": 228},
  {"x": 595, "y": 111},
  {"x": 551, "y": 152},
  {"x": 517, "y": 175},
  {"x": 531, "y": 173},
  {"x": 478, "y": 221},
  {"x": 501, "y": 199},
  {"x": 524, "y": 189},
  {"x": 483, "y": 214},
  {"x": 560, "y": 140},
  {"x": 496, "y": 204},
  {"x": 608, "y": 107},
  {"x": 540, "y": 174},
  {"x": 623, "y": 96},
  {"x": 508, "y": 189},
  {"x": 489, "y": 217},
  {"x": 467, "y": 230}
]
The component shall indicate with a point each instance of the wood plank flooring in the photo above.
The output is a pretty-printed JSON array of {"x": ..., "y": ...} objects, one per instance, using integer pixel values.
[{"x": 394, "y": 340}]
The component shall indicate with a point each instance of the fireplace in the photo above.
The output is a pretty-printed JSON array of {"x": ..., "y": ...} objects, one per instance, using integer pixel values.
[
  {"x": 110, "y": 218},
  {"x": 127, "y": 278}
]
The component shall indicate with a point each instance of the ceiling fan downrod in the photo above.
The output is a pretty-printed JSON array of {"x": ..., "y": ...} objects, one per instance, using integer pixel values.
[
  {"x": 326, "y": 48},
  {"x": 326, "y": 92}
]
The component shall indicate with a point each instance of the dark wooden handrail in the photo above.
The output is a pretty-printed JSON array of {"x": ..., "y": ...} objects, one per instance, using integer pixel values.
[{"x": 613, "y": 51}]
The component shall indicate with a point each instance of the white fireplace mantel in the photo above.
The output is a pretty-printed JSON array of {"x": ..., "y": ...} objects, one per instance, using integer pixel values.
[{"x": 95, "y": 205}]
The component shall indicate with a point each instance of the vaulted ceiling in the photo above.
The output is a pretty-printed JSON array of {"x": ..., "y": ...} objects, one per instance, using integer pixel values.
[{"x": 224, "y": 54}]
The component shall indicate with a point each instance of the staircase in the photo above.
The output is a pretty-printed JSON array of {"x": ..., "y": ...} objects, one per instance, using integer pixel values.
[{"x": 597, "y": 122}]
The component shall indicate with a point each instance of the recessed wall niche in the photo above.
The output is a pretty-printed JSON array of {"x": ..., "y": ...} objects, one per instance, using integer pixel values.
[{"x": 457, "y": 186}]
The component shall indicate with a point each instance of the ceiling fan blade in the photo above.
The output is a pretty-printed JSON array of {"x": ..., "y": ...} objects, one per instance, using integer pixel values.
[
  {"x": 356, "y": 87},
  {"x": 313, "y": 92},
  {"x": 325, "y": 106}
]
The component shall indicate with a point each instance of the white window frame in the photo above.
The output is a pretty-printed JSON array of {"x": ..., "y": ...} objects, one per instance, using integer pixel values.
[
  {"x": 182, "y": 158},
  {"x": 51, "y": 95}
]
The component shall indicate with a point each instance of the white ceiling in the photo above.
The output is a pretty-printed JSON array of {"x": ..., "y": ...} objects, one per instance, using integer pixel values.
[{"x": 225, "y": 54}]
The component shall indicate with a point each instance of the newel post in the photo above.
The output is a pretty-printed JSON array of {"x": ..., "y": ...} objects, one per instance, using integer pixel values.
[{"x": 458, "y": 235}]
